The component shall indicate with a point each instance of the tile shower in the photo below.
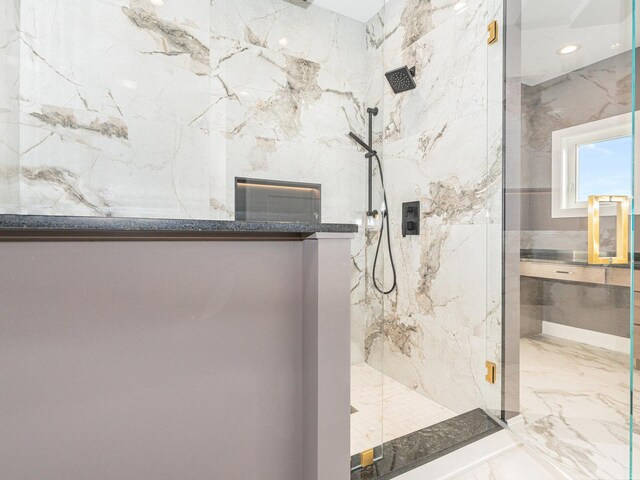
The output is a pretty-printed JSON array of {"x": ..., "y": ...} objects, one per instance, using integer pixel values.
[{"x": 152, "y": 109}]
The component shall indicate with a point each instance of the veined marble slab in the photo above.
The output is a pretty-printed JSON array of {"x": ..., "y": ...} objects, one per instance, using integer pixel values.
[
  {"x": 9, "y": 106},
  {"x": 76, "y": 162},
  {"x": 442, "y": 146},
  {"x": 576, "y": 407}
]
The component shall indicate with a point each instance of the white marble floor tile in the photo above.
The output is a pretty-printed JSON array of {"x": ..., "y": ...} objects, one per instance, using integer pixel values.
[
  {"x": 514, "y": 464},
  {"x": 576, "y": 407}
]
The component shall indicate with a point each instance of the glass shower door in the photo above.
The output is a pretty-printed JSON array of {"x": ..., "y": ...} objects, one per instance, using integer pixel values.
[
  {"x": 367, "y": 379},
  {"x": 568, "y": 321}
]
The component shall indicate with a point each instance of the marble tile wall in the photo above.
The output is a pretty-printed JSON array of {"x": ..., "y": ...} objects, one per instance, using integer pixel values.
[
  {"x": 287, "y": 85},
  {"x": 591, "y": 93},
  {"x": 142, "y": 108},
  {"x": 204, "y": 91},
  {"x": 112, "y": 95},
  {"x": 145, "y": 108},
  {"x": 440, "y": 149},
  {"x": 594, "y": 92},
  {"x": 367, "y": 314},
  {"x": 9, "y": 107}
]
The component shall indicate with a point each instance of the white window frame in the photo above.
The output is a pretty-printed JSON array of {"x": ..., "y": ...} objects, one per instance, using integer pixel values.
[{"x": 564, "y": 161}]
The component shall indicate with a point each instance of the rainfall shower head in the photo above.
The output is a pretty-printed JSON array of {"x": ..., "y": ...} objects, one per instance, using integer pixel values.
[
  {"x": 300, "y": 3},
  {"x": 401, "y": 79}
]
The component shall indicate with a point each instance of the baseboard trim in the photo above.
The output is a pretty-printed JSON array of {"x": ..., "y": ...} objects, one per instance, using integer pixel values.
[
  {"x": 514, "y": 421},
  {"x": 596, "y": 339}
]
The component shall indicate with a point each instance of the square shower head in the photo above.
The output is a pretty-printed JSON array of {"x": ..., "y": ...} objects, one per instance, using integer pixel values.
[
  {"x": 401, "y": 79},
  {"x": 300, "y": 3}
]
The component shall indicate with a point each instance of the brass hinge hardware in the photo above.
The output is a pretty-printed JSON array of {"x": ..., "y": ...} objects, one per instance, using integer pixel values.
[
  {"x": 491, "y": 372},
  {"x": 366, "y": 458},
  {"x": 492, "y": 28}
]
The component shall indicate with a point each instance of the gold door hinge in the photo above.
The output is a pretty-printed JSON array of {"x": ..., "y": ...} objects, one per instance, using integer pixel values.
[
  {"x": 366, "y": 458},
  {"x": 492, "y": 28},
  {"x": 491, "y": 372}
]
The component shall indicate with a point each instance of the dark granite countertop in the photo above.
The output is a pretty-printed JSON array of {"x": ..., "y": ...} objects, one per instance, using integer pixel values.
[
  {"x": 44, "y": 226},
  {"x": 568, "y": 257}
]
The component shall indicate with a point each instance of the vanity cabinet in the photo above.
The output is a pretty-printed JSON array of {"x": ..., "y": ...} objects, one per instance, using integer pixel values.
[
  {"x": 565, "y": 272},
  {"x": 592, "y": 274}
]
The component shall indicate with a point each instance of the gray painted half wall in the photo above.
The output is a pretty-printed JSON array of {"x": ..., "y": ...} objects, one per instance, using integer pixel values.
[{"x": 166, "y": 360}]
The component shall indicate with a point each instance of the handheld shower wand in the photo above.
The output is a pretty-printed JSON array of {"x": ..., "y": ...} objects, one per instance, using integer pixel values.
[{"x": 370, "y": 155}]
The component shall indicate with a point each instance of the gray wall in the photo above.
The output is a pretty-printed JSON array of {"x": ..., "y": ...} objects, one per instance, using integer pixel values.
[
  {"x": 591, "y": 93},
  {"x": 151, "y": 361}
]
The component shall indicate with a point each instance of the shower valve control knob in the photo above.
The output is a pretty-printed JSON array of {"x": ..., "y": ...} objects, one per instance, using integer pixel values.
[{"x": 410, "y": 218}]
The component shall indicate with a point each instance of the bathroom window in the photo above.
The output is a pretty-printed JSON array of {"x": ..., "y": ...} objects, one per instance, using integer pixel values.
[
  {"x": 603, "y": 167},
  {"x": 591, "y": 159}
]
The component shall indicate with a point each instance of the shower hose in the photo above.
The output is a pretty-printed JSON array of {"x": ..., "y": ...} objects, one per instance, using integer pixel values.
[{"x": 385, "y": 219}]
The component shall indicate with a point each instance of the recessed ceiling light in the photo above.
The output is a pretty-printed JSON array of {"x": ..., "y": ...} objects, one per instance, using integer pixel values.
[
  {"x": 459, "y": 6},
  {"x": 129, "y": 84},
  {"x": 283, "y": 41},
  {"x": 568, "y": 49},
  {"x": 615, "y": 45}
]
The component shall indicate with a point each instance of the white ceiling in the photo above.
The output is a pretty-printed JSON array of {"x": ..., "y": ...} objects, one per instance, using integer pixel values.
[
  {"x": 548, "y": 25},
  {"x": 361, "y": 10}
]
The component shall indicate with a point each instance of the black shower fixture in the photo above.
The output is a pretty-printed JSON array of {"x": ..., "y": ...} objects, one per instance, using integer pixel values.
[
  {"x": 300, "y": 3},
  {"x": 401, "y": 79},
  {"x": 370, "y": 155}
]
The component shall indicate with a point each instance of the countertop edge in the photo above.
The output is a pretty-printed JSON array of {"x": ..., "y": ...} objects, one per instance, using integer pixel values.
[{"x": 14, "y": 226}]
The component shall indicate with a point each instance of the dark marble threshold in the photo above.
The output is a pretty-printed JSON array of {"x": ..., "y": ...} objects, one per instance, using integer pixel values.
[
  {"x": 49, "y": 226},
  {"x": 418, "y": 448}
]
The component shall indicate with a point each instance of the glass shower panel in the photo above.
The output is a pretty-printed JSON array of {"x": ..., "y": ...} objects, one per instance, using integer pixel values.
[
  {"x": 9, "y": 106},
  {"x": 435, "y": 153},
  {"x": 568, "y": 328},
  {"x": 367, "y": 321},
  {"x": 289, "y": 81},
  {"x": 494, "y": 369}
]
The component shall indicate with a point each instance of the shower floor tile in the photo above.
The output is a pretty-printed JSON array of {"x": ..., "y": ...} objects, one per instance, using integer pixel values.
[{"x": 376, "y": 397}]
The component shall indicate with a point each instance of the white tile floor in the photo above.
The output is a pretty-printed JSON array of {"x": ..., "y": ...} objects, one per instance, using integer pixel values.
[
  {"x": 575, "y": 410},
  {"x": 576, "y": 407},
  {"x": 405, "y": 410}
]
